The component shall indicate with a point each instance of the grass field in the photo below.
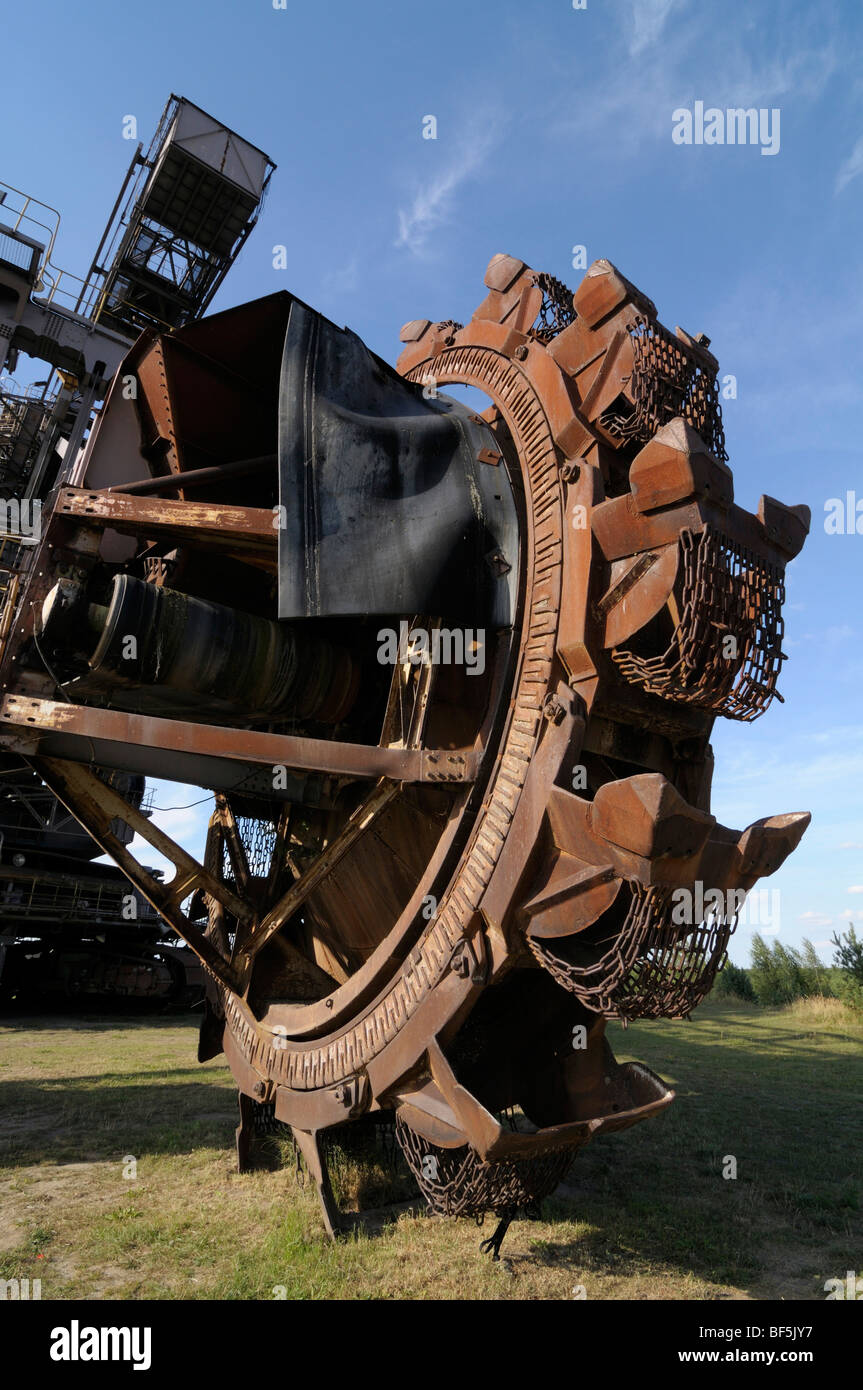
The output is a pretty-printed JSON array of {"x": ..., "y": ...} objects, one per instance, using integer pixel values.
[{"x": 645, "y": 1214}]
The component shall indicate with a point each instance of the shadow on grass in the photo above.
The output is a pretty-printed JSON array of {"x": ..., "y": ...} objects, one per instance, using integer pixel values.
[
  {"x": 752, "y": 1178},
  {"x": 137, "y": 1016},
  {"x": 66, "y": 1119}
]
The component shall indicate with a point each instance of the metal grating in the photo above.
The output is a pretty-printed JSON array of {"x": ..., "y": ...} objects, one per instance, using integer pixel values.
[{"x": 725, "y": 653}]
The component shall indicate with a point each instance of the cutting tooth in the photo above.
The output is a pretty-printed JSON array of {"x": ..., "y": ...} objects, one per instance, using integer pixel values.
[{"x": 766, "y": 844}]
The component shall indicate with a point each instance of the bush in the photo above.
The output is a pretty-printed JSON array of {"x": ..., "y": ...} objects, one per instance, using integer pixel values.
[
  {"x": 850, "y": 991},
  {"x": 848, "y": 969},
  {"x": 780, "y": 974},
  {"x": 849, "y": 954},
  {"x": 734, "y": 982}
]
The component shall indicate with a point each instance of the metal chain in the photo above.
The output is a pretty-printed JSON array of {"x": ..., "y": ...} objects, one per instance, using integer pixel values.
[
  {"x": 726, "y": 651},
  {"x": 655, "y": 968},
  {"x": 668, "y": 380},
  {"x": 556, "y": 311},
  {"x": 457, "y": 1182},
  {"x": 259, "y": 841}
]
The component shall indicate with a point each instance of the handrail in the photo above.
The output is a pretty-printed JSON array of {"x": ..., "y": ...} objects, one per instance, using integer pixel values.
[{"x": 28, "y": 199}]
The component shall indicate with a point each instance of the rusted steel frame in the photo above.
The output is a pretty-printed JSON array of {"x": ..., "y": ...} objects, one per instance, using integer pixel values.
[
  {"x": 413, "y": 734},
  {"x": 10, "y": 601},
  {"x": 309, "y": 1020},
  {"x": 356, "y": 826},
  {"x": 216, "y": 927},
  {"x": 95, "y": 805},
  {"x": 45, "y": 717},
  {"x": 622, "y": 530},
  {"x": 327, "y": 1015},
  {"x": 209, "y": 524},
  {"x": 281, "y": 857},
  {"x": 155, "y": 406},
  {"x": 233, "y": 841},
  {"x": 394, "y": 731},
  {"x": 242, "y": 876},
  {"x": 350, "y": 833},
  {"x": 197, "y": 477}
]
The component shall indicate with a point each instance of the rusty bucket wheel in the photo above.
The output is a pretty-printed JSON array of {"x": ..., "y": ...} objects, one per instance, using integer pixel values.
[
  {"x": 323, "y": 1061},
  {"x": 492, "y": 868}
]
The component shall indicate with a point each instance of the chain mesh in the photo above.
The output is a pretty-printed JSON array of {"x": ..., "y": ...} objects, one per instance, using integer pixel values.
[
  {"x": 667, "y": 381},
  {"x": 259, "y": 841},
  {"x": 725, "y": 653},
  {"x": 457, "y": 1182},
  {"x": 655, "y": 968},
  {"x": 556, "y": 311}
]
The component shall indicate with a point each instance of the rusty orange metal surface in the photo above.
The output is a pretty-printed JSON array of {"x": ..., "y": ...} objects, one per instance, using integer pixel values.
[{"x": 425, "y": 914}]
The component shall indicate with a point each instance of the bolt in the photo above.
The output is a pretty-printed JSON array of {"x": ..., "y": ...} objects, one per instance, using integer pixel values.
[
  {"x": 520, "y": 353},
  {"x": 570, "y": 470},
  {"x": 461, "y": 962},
  {"x": 498, "y": 563},
  {"x": 552, "y": 709},
  {"x": 259, "y": 1089}
]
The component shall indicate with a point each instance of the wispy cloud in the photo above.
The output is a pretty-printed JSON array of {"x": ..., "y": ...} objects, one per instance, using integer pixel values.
[
  {"x": 648, "y": 21},
  {"x": 342, "y": 279},
  {"x": 815, "y": 919},
  {"x": 434, "y": 200},
  {"x": 851, "y": 168},
  {"x": 694, "y": 60}
]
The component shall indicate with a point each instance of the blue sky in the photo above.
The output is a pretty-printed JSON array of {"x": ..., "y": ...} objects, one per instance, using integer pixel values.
[{"x": 554, "y": 129}]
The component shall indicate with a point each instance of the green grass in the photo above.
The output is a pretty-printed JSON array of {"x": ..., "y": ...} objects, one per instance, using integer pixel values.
[{"x": 643, "y": 1214}]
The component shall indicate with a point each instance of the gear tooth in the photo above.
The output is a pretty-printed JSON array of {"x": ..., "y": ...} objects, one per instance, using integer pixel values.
[
  {"x": 766, "y": 844},
  {"x": 503, "y": 271}
]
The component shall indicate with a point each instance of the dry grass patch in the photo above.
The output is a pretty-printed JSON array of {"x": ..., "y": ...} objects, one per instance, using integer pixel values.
[{"x": 646, "y": 1214}]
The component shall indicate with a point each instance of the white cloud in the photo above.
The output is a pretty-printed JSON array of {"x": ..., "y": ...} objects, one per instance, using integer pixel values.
[
  {"x": 433, "y": 203},
  {"x": 856, "y": 888},
  {"x": 648, "y": 22},
  {"x": 696, "y": 59},
  {"x": 815, "y": 919},
  {"x": 851, "y": 168}
]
